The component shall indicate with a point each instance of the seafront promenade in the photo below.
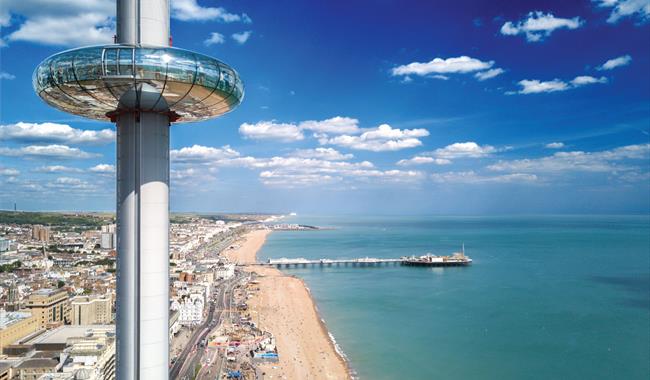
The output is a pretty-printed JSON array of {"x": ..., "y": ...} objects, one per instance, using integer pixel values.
[{"x": 283, "y": 306}]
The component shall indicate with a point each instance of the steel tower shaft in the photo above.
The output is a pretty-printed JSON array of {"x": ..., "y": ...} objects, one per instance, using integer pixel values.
[{"x": 142, "y": 208}]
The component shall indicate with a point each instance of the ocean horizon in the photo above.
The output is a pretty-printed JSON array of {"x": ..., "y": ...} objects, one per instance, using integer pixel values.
[{"x": 547, "y": 296}]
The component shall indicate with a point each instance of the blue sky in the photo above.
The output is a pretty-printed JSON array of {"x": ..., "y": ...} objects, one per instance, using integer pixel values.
[{"x": 380, "y": 107}]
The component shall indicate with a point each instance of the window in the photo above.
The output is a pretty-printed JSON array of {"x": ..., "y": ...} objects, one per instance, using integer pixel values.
[
  {"x": 110, "y": 62},
  {"x": 126, "y": 61}
]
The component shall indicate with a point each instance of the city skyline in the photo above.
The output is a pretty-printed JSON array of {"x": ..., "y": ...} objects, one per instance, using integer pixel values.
[{"x": 364, "y": 108}]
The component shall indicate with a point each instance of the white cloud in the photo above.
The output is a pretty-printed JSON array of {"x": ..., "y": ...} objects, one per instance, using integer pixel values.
[
  {"x": 47, "y": 151},
  {"x": 215, "y": 39},
  {"x": 468, "y": 149},
  {"x": 294, "y": 180},
  {"x": 9, "y": 172},
  {"x": 445, "y": 156},
  {"x": 626, "y": 8},
  {"x": 70, "y": 184},
  {"x": 52, "y": 132},
  {"x": 329, "y": 154},
  {"x": 270, "y": 130},
  {"x": 555, "y": 145},
  {"x": 303, "y": 167},
  {"x": 300, "y": 178},
  {"x": 489, "y": 74},
  {"x": 103, "y": 169},
  {"x": 382, "y": 138},
  {"x": 7, "y": 76},
  {"x": 190, "y": 10},
  {"x": 200, "y": 153},
  {"x": 535, "y": 86},
  {"x": 471, "y": 177},
  {"x": 462, "y": 64},
  {"x": 57, "y": 169},
  {"x": 63, "y": 22},
  {"x": 87, "y": 22},
  {"x": 577, "y": 161},
  {"x": 538, "y": 25},
  {"x": 76, "y": 30},
  {"x": 242, "y": 37},
  {"x": 586, "y": 79},
  {"x": 421, "y": 160},
  {"x": 613, "y": 63},
  {"x": 336, "y": 125}
]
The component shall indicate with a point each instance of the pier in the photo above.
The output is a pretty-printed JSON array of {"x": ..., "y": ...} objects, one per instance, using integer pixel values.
[{"x": 369, "y": 261}]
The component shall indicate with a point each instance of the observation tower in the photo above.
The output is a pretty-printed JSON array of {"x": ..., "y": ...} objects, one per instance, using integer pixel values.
[{"x": 143, "y": 85}]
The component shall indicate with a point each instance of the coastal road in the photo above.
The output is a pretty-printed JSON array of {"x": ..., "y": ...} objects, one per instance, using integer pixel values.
[{"x": 187, "y": 361}]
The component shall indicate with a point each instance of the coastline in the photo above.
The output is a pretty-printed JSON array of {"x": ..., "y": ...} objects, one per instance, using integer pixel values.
[{"x": 284, "y": 306}]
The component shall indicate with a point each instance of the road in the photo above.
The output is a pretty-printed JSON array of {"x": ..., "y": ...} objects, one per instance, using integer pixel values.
[{"x": 187, "y": 361}]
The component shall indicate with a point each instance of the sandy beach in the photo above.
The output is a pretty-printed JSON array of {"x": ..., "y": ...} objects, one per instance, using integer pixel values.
[{"x": 284, "y": 307}]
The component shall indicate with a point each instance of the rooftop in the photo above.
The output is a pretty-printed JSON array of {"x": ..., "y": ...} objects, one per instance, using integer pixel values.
[
  {"x": 9, "y": 318},
  {"x": 61, "y": 334}
]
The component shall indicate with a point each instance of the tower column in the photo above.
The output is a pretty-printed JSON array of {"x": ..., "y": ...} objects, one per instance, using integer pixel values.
[
  {"x": 143, "y": 245},
  {"x": 143, "y": 22}
]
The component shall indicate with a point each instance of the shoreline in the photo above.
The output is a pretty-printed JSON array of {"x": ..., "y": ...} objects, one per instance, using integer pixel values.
[{"x": 284, "y": 306}]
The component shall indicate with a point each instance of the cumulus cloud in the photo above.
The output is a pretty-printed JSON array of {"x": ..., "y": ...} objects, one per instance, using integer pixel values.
[
  {"x": 445, "y": 156},
  {"x": 52, "y": 132},
  {"x": 626, "y": 8},
  {"x": 555, "y": 145},
  {"x": 57, "y": 169},
  {"x": 47, "y": 151},
  {"x": 9, "y": 172},
  {"x": 64, "y": 22},
  {"x": 538, "y": 25},
  {"x": 577, "y": 161},
  {"x": 586, "y": 79},
  {"x": 468, "y": 149},
  {"x": 71, "y": 184},
  {"x": 270, "y": 130},
  {"x": 336, "y": 125},
  {"x": 200, "y": 153},
  {"x": 489, "y": 74},
  {"x": 242, "y": 37},
  {"x": 382, "y": 138},
  {"x": 441, "y": 66},
  {"x": 613, "y": 63},
  {"x": 534, "y": 86},
  {"x": 471, "y": 177},
  {"x": 7, "y": 76},
  {"x": 78, "y": 30},
  {"x": 87, "y": 22},
  {"x": 215, "y": 39},
  {"x": 303, "y": 167},
  {"x": 103, "y": 169},
  {"x": 329, "y": 154},
  {"x": 421, "y": 160},
  {"x": 190, "y": 10}
]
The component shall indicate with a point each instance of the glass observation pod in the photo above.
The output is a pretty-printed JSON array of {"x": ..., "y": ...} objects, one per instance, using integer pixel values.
[{"x": 90, "y": 81}]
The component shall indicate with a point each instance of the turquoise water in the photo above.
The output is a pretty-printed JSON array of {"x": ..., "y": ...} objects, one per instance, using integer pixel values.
[{"x": 546, "y": 298}]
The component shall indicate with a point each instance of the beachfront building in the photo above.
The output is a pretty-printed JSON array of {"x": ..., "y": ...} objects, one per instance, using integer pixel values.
[
  {"x": 34, "y": 368},
  {"x": 91, "y": 359},
  {"x": 92, "y": 310},
  {"x": 49, "y": 306},
  {"x": 15, "y": 326},
  {"x": 190, "y": 309},
  {"x": 224, "y": 271}
]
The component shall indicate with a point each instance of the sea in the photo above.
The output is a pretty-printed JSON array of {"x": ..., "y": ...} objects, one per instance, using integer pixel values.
[{"x": 547, "y": 297}]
